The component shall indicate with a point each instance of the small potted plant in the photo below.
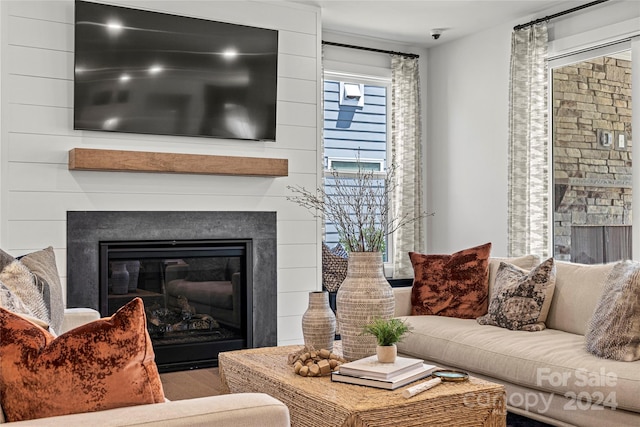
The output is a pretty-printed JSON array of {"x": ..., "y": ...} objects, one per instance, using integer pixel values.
[{"x": 388, "y": 332}]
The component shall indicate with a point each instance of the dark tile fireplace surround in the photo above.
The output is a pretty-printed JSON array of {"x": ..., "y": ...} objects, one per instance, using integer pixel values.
[{"x": 87, "y": 232}]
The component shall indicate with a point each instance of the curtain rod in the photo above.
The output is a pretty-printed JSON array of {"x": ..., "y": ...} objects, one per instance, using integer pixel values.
[
  {"x": 556, "y": 15},
  {"x": 370, "y": 49}
]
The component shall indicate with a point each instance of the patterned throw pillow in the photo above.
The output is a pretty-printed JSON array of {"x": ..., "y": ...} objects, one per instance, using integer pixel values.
[
  {"x": 17, "y": 278},
  {"x": 108, "y": 363},
  {"x": 12, "y": 302},
  {"x": 522, "y": 299},
  {"x": 334, "y": 266},
  {"x": 614, "y": 329},
  {"x": 453, "y": 285}
]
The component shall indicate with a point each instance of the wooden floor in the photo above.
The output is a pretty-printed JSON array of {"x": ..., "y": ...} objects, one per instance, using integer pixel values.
[{"x": 191, "y": 383}]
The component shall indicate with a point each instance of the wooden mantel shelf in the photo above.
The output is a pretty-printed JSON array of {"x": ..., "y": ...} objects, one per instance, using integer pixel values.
[{"x": 88, "y": 159}]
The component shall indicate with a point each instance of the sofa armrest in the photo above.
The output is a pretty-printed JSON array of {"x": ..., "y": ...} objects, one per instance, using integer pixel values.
[
  {"x": 74, "y": 317},
  {"x": 403, "y": 301},
  {"x": 228, "y": 410}
]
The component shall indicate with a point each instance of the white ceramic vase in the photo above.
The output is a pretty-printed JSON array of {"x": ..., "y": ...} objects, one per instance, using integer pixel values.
[{"x": 387, "y": 353}]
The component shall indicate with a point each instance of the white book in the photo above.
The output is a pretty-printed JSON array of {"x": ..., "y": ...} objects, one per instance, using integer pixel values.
[
  {"x": 370, "y": 367},
  {"x": 401, "y": 380}
]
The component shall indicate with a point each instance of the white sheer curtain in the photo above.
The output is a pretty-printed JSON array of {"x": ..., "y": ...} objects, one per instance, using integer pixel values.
[
  {"x": 529, "y": 173},
  {"x": 405, "y": 150}
]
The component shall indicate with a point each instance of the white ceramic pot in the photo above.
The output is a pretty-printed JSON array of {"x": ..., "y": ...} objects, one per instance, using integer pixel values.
[{"x": 387, "y": 353}]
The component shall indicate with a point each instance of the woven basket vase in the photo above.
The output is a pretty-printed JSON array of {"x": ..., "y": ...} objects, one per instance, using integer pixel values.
[
  {"x": 319, "y": 322},
  {"x": 364, "y": 296}
]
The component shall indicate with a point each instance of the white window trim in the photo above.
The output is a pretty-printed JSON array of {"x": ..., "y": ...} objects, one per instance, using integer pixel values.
[
  {"x": 635, "y": 124},
  {"x": 595, "y": 38},
  {"x": 582, "y": 55}
]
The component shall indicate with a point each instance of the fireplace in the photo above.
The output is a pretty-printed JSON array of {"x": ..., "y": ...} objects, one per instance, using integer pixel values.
[
  {"x": 208, "y": 279},
  {"x": 195, "y": 293}
]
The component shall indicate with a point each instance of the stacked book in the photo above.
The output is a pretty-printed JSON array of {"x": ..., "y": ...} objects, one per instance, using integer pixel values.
[{"x": 370, "y": 372}]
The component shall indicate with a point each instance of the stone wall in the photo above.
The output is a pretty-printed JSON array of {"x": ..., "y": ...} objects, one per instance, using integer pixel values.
[{"x": 592, "y": 182}]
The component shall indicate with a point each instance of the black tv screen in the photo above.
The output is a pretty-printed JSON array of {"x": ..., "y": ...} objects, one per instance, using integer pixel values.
[{"x": 148, "y": 72}]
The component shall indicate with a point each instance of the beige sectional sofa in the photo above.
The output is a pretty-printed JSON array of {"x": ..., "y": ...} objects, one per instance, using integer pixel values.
[
  {"x": 230, "y": 410},
  {"x": 548, "y": 375}
]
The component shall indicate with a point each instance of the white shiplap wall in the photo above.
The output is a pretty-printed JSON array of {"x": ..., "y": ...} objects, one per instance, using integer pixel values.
[{"x": 36, "y": 131}]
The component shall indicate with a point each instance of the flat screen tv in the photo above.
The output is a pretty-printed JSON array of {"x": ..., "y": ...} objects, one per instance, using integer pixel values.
[{"x": 147, "y": 72}]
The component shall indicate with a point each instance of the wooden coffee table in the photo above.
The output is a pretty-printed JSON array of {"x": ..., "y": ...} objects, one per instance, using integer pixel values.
[{"x": 315, "y": 402}]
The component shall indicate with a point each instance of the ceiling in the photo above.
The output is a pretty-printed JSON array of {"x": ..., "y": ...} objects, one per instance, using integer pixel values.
[{"x": 410, "y": 22}]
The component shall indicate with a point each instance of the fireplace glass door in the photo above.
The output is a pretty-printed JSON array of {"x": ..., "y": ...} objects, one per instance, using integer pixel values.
[{"x": 195, "y": 295}]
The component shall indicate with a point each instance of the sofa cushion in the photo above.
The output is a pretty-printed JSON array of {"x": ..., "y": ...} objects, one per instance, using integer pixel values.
[
  {"x": 227, "y": 410},
  {"x": 43, "y": 265},
  {"x": 453, "y": 285},
  {"x": 105, "y": 364},
  {"x": 549, "y": 360},
  {"x": 614, "y": 329},
  {"x": 521, "y": 300},
  {"x": 17, "y": 278},
  {"x": 578, "y": 289}
]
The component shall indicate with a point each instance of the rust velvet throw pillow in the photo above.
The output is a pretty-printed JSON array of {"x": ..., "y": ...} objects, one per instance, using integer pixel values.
[
  {"x": 455, "y": 285},
  {"x": 104, "y": 364}
]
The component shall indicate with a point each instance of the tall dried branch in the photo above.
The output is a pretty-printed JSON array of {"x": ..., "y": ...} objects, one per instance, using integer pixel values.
[{"x": 358, "y": 206}]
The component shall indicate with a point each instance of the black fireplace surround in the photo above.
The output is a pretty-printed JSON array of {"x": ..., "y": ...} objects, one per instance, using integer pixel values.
[{"x": 87, "y": 232}]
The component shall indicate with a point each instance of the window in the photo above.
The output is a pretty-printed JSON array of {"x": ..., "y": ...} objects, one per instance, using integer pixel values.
[
  {"x": 355, "y": 129},
  {"x": 592, "y": 164}
]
